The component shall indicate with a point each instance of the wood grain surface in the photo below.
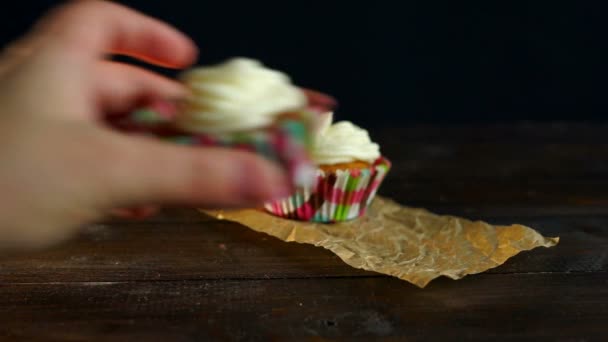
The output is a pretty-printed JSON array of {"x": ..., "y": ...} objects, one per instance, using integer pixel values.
[{"x": 183, "y": 276}]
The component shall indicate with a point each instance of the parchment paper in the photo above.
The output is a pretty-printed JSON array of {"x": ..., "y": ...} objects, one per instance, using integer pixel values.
[{"x": 408, "y": 243}]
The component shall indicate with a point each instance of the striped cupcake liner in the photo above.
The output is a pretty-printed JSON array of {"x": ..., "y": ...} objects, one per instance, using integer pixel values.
[
  {"x": 287, "y": 141},
  {"x": 336, "y": 196}
]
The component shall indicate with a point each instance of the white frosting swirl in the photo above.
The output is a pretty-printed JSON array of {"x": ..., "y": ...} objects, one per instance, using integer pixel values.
[
  {"x": 237, "y": 95},
  {"x": 343, "y": 142}
]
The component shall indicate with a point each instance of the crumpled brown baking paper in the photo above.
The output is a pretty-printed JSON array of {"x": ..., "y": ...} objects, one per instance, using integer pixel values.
[{"x": 408, "y": 243}]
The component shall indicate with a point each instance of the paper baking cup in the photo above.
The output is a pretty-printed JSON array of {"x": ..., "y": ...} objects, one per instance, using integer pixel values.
[
  {"x": 286, "y": 141},
  {"x": 336, "y": 196}
]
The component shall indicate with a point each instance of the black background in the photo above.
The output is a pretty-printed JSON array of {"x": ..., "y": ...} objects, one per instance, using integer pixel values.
[{"x": 416, "y": 61}]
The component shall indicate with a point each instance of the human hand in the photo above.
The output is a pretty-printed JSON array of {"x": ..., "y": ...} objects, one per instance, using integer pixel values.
[{"x": 61, "y": 167}]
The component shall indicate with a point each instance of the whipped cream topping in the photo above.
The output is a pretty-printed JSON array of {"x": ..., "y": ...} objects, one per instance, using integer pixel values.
[
  {"x": 342, "y": 142},
  {"x": 237, "y": 95}
]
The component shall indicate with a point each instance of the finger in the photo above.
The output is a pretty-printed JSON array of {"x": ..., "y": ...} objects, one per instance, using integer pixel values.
[
  {"x": 319, "y": 100},
  {"x": 95, "y": 28},
  {"x": 122, "y": 87},
  {"x": 157, "y": 172}
]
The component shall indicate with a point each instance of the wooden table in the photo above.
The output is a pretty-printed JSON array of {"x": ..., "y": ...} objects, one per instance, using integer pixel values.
[{"x": 183, "y": 276}]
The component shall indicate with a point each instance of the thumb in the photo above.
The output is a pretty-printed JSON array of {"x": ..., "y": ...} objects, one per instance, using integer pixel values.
[{"x": 156, "y": 172}]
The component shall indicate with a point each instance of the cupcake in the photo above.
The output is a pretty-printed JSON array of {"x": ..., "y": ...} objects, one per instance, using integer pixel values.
[
  {"x": 239, "y": 95},
  {"x": 349, "y": 172},
  {"x": 244, "y": 105}
]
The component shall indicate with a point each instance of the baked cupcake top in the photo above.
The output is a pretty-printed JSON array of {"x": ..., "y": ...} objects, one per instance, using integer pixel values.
[
  {"x": 238, "y": 95},
  {"x": 342, "y": 142}
]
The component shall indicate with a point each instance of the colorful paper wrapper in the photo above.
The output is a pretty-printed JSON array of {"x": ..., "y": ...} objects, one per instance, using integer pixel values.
[
  {"x": 336, "y": 195},
  {"x": 287, "y": 141}
]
